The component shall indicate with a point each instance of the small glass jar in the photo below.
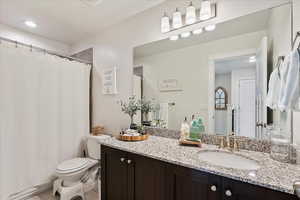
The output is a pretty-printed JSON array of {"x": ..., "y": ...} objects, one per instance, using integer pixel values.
[{"x": 280, "y": 145}]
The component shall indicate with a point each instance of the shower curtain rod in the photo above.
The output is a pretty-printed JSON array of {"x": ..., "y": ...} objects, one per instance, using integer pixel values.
[{"x": 44, "y": 50}]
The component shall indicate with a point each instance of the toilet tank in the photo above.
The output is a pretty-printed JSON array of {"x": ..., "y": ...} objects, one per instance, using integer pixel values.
[{"x": 94, "y": 147}]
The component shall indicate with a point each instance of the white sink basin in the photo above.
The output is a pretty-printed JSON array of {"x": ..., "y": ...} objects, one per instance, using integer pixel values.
[{"x": 228, "y": 160}]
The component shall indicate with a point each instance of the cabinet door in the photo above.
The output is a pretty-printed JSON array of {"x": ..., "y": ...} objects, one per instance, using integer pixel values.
[
  {"x": 236, "y": 190},
  {"x": 188, "y": 184},
  {"x": 146, "y": 178},
  {"x": 113, "y": 174}
]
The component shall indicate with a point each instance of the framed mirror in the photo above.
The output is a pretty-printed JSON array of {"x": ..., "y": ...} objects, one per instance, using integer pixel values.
[{"x": 221, "y": 75}]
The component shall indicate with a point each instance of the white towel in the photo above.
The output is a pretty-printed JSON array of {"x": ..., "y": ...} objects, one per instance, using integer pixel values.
[
  {"x": 290, "y": 90},
  {"x": 272, "y": 99}
]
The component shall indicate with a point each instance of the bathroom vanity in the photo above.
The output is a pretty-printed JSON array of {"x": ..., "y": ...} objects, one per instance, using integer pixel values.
[
  {"x": 220, "y": 78},
  {"x": 160, "y": 169}
]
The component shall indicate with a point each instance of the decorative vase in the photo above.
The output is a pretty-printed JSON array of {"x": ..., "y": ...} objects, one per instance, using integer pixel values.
[
  {"x": 146, "y": 121},
  {"x": 146, "y": 116},
  {"x": 132, "y": 125}
]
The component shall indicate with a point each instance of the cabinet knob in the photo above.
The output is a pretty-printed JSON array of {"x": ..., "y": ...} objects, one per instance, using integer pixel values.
[
  {"x": 128, "y": 161},
  {"x": 228, "y": 193},
  {"x": 213, "y": 188},
  {"x": 122, "y": 159}
]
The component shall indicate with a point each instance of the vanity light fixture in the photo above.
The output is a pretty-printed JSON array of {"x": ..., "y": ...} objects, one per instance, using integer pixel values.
[
  {"x": 30, "y": 24},
  {"x": 177, "y": 19},
  {"x": 190, "y": 17},
  {"x": 205, "y": 11},
  {"x": 198, "y": 31},
  {"x": 165, "y": 23},
  {"x": 174, "y": 37},
  {"x": 194, "y": 32},
  {"x": 185, "y": 34},
  {"x": 210, "y": 27},
  {"x": 252, "y": 59}
]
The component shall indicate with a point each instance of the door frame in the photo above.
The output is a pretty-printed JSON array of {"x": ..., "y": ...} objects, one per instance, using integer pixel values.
[{"x": 211, "y": 82}]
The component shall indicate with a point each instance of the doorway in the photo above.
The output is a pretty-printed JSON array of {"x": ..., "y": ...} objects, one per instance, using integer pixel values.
[{"x": 236, "y": 74}]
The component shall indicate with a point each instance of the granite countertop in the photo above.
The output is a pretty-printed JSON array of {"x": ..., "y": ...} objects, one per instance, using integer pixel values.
[{"x": 272, "y": 174}]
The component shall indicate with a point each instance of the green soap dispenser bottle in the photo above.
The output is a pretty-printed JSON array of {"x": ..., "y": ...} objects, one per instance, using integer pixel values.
[{"x": 196, "y": 129}]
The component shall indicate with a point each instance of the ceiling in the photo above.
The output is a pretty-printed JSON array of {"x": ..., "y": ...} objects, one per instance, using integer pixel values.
[
  {"x": 69, "y": 21},
  {"x": 246, "y": 24},
  {"x": 229, "y": 64}
]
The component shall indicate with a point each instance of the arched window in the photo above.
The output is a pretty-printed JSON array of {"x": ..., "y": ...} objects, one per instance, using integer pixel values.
[{"x": 220, "y": 99}]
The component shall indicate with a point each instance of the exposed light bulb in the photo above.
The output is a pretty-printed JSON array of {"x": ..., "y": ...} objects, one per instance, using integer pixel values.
[
  {"x": 190, "y": 16},
  {"x": 198, "y": 31},
  {"x": 30, "y": 24},
  {"x": 165, "y": 24},
  {"x": 205, "y": 11},
  {"x": 174, "y": 37},
  {"x": 210, "y": 27},
  {"x": 185, "y": 34},
  {"x": 177, "y": 19}
]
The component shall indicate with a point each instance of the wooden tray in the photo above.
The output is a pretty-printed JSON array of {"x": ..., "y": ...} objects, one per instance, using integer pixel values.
[
  {"x": 133, "y": 138},
  {"x": 190, "y": 143}
]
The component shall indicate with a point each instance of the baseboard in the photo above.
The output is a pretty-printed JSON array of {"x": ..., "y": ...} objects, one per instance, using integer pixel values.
[{"x": 30, "y": 192}]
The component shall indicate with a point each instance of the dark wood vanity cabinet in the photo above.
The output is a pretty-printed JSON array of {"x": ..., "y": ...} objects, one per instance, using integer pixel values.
[
  {"x": 184, "y": 183},
  {"x": 236, "y": 190},
  {"x": 127, "y": 176},
  {"x": 114, "y": 174}
]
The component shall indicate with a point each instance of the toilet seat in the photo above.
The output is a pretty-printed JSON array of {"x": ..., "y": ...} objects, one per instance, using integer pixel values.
[{"x": 73, "y": 165}]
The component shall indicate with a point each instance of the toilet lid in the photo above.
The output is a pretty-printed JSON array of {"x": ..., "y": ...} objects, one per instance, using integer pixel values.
[{"x": 73, "y": 165}]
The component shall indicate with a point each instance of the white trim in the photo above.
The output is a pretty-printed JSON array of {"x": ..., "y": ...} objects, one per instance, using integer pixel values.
[{"x": 211, "y": 82}]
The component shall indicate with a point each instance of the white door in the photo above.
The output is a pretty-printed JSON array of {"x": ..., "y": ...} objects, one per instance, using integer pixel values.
[
  {"x": 247, "y": 98},
  {"x": 261, "y": 86}
]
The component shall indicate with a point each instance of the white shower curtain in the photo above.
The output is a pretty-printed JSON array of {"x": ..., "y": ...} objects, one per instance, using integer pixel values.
[{"x": 44, "y": 113}]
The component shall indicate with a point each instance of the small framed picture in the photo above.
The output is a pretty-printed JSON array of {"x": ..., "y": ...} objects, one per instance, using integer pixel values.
[
  {"x": 109, "y": 81},
  {"x": 169, "y": 85}
]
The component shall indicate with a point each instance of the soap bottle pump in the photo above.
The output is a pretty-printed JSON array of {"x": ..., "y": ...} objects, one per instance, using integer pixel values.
[{"x": 193, "y": 118}]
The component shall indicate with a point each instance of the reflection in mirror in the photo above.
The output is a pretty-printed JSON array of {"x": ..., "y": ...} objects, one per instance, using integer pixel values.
[
  {"x": 221, "y": 99},
  {"x": 219, "y": 77}
]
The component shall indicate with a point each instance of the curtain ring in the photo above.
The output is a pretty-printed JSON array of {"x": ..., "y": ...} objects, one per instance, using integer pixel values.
[
  {"x": 44, "y": 51},
  {"x": 16, "y": 44},
  {"x": 31, "y": 47}
]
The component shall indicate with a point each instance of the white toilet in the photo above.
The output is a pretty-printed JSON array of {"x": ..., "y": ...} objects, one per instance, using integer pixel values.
[{"x": 79, "y": 175}]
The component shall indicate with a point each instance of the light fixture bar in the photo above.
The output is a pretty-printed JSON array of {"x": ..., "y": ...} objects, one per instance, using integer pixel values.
[{"x": 213, "y": 15}]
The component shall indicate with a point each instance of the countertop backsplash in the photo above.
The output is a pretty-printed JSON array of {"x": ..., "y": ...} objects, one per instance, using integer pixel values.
[{"x": 244, "y": 142}]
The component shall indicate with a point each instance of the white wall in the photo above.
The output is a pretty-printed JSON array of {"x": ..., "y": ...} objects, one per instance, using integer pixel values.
[
  {"x": 31, "y": 39},
  {"x": 114, "y": 47},
  {"x": 222, "y": 80},
  {"x": 279, "y": 31}
]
